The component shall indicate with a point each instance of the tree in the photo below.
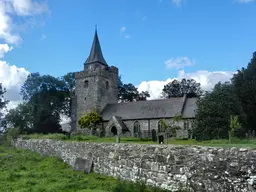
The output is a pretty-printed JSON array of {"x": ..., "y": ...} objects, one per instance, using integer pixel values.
[
  {"x": 70, "y": 83},
  {"x": 20, "y": 117},
  {"x": 48, "y": 98},
  {"x": 128, "y": 92},
  {"x": 172, "y": 127},
  {"x": 3, "y": 103},
  {"x": 178, "y": 88},
  {"x": 91, "y": 120},
  {"x": 244, "y": 82},
  {"x": 214, "y": 110},
  {"x": 233, "y": 126}
]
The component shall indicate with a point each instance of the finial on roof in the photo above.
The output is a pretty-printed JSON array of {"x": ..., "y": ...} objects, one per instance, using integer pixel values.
[{"x": 96, "y": 53}]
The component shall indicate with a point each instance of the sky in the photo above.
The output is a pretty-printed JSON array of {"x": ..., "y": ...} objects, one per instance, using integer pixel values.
[{"x": 152, "y": 42}]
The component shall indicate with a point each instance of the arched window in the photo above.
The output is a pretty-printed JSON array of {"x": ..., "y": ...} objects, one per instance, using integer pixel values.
[
  {"x": 107, "y": 85},
  {"x": 160, "y": 127},
  {"x": 86, "y": 84},
  {"x": 186, "y": 125},
  {"x": 136, "y": 129}
]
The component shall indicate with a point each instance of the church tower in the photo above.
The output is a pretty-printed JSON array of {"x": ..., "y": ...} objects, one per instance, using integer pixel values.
[{"x": 96, "y": 85}]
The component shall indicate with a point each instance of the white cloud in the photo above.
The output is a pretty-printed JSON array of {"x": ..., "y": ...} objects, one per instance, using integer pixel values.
[
  {"x": 12, "y": 79},
  {"x": 13, "y": 8},
  {"x": 207, "y": 80},
  {"x": 4, "y": 48},
  {"x": 245, "y": 1},
  {"x": 177, "y": 2},
  {"x": 179, "y": 62},
  {"x": 28, "y": 7},
  {"x": 122, "y": 30}
]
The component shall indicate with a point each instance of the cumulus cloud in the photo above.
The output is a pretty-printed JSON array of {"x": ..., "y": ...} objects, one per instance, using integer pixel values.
[
  {"x": 207, "y": 80},
  {"x": 12, "y": 79},
  {"x": 11, "y": 76},
  {"x": 179, "y": 62},
  {"x": 14, "y": 8},
  {"x": 4, "y": 48}
]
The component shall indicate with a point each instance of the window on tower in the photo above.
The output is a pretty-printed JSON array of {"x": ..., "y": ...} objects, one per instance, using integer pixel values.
[
  {"x": 107, "y": 85},
  {"x": 86, "y": 83}
]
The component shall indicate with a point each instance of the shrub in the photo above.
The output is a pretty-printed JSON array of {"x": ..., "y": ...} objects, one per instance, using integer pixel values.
[{"x": 12, "y": 133}]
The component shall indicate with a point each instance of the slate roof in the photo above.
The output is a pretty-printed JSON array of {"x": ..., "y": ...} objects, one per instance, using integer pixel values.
[
  {"x": 96, "y": 53},
  {"x": 150, "y": 109},
  {"x": 189, "y": 108}
]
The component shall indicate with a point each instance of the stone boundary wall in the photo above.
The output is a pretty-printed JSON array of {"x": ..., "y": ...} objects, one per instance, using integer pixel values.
[{"x": 192, "y": 168}]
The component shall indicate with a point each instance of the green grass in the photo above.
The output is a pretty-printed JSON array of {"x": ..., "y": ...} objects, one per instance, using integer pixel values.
[
  {"x": 89, "y": 138},
  {"x": 214, "y": 143},
  {"x": 23, "y": 171}
]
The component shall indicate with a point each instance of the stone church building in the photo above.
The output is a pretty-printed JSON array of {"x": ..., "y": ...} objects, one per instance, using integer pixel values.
[{"x": 96, "y": 88}]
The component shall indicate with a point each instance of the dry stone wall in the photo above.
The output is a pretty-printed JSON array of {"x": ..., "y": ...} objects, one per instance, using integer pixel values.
[{"x": 192, "y": 168}]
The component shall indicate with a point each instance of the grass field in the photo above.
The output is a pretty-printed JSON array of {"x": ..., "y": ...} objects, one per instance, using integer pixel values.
[
  {"x": 215, "y": 143},
  {"x": 25, "y": 171}
]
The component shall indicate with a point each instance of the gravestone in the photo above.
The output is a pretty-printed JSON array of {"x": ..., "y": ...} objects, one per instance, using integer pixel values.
[{"x": 83, "y": 165}]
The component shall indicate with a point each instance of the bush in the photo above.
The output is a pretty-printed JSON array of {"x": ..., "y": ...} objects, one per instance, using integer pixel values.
[{"x": 12, "y": 133}]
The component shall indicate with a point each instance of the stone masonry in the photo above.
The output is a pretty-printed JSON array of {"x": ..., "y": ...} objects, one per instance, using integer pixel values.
[{"x": 192, "y": 168}]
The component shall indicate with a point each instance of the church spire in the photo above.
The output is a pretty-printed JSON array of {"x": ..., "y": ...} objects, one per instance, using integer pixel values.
[{"x": 96, "y": 53}]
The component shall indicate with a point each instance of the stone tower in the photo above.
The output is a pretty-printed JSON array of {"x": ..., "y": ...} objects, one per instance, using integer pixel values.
[{"x": 96, "y": 85}]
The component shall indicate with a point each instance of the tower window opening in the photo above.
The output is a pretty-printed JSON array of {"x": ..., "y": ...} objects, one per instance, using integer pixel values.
[
  {"x": 86, "y": 84},
  {"x": 107, "y": 85}
]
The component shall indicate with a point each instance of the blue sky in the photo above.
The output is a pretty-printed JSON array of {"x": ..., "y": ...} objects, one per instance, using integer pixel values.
[{"x": 150, "y": 41}]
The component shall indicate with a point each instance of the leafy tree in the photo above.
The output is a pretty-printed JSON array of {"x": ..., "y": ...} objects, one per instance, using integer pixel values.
[
  {"x": 47, "y": 97},
  {"x": 91, "y": 120},
  {"x": 20, "y": 117},
  {"x": 128, "y": 92},
  {"x": 3, "y": 103},
  {"x": 179, "y": 88},
  {"x": 214, "y": 111},
  {"x": 70, "y": 83},
  {"x": 233, "y": 126},
  {"x": 244, "y": 82},
  {"x": 172, "y": 127}
]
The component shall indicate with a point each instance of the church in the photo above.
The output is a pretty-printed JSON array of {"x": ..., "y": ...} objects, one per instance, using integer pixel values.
[{"x": 96, "y": 89}]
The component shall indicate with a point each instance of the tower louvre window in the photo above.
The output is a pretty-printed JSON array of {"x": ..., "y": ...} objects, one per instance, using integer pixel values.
[
  {"x": 107, "y": 85},
  {"x": 86, "y": 84}
]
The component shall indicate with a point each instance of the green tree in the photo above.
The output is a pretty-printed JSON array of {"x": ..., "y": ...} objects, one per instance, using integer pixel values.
[
  {"x": 3, "y": 103},
  {"x": 233, "y": 127},
  {"x": 20, "y": 117},
  {"x": 178, "y": 88},
  {"x": 172, "y": 127},
  {"x": 214, "y": 110},
  {"x": 244, "y": 82},
  {"x": 128, "y": 92},
  {"x": 47, "y": 97},
  {"x": 91, "y": 120}
]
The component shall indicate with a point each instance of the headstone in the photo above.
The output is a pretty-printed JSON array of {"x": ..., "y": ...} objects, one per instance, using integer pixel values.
[
  {"x": 117, "y": 139},
  {"x": 253, "y": 134},
  {"x": 83, "y": 165}
]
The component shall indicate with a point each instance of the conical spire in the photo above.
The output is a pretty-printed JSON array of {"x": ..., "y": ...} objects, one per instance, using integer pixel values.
[{"x": 96, "y": 53}]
